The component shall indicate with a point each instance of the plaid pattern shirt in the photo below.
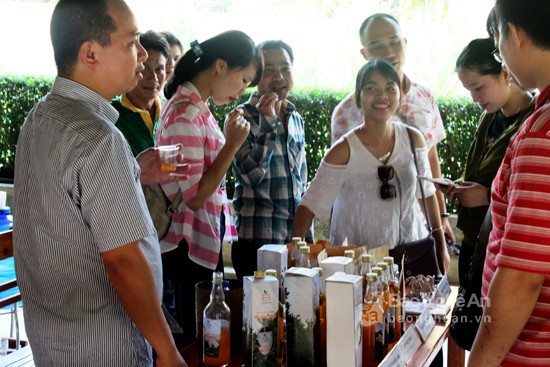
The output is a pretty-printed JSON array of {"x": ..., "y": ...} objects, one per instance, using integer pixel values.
[{"x": 270, "y": 176}]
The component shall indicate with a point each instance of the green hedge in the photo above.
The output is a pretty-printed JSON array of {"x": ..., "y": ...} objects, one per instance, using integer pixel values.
[{"x": 460, "y": 116}]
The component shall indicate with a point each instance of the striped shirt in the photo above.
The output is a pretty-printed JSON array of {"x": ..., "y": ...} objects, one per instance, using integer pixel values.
[
  {"x": 77, "y": 195},
  {"x": 192, "y": 125},
  {"x": 270, "y": 175},
  {"x": 521, "y": 228}
]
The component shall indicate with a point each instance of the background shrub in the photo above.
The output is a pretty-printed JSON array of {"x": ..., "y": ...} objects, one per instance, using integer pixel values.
[{"x": 460, "y": 116}]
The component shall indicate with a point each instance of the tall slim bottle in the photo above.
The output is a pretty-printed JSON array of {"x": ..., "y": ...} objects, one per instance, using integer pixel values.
[
  {"x": 395, "y": 296},
  {"x": 381, "y": 286},
  {"x": 303, "y": 260},
  {"x": 281, "y": 330},
  {"x": 217, "y": 326},
  {"x": 366, "y": 267},
  {"x": 322, "y": 316},
  {"x": 390, "y": 315},
  {"x": 295, "y": 252},
  {"x": 351, "y": 255},
  {"x": 373, "y": 325}
]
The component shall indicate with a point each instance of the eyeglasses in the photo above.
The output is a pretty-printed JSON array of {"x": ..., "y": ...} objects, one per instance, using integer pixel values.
[
  {"x": 387, "y": 191},
  {"x": 496, "y": 55}
]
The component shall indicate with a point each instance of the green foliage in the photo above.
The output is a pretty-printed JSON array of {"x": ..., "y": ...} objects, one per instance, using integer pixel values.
[
  {"x": 19, "y": 94},
  {"x": 17, "y": 97},
  {"x": 460, "y": 117}
]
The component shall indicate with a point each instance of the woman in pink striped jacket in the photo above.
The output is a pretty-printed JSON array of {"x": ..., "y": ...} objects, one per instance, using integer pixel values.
[{"x": 222, "y": 68}]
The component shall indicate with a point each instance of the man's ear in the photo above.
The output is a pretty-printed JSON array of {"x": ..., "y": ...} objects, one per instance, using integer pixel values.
[
  {"x": 518, "y": 35},
  {"x": 364, "y": 53},
  {"x": 88, "y": 53}
]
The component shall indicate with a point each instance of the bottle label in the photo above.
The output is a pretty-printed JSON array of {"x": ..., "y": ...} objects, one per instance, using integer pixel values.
[
  {"x": 212, "y": 334},
  {"x": 379, "y": 336},
  {"x": 265, "y": 341},
  {"x": 392, "y": 321}
]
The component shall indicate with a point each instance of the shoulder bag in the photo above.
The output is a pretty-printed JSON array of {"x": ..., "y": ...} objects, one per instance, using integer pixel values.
[{"x": 420, "y": 256}]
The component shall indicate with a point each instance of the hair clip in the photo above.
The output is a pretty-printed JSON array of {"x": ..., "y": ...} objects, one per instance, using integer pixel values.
[{"x": 196, "y": 47}]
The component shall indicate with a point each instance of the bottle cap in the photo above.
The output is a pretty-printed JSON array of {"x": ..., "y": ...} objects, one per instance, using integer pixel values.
[
  {"x": 295, "y": 240},
  {"x": 259, "y": 274},
  {"x": 217, "y": 277},
  {"x": 305, "y": 249},
  {"x": 388, "y": 260},
  {"x": 225, "y": 283},
  {"x": 271, "y": 272},
  {"x": 349, "y": 253},
  {"x": 378, "y": 270},
  {"x": 301, "y": 243},
  {"x": 366, "y": 258},
  {"x": 372, "y": 277},
  {"x": 383, "y": 265}
]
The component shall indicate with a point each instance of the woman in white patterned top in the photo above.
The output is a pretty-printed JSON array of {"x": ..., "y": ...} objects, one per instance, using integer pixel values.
[{"x": 368, "y": 181}]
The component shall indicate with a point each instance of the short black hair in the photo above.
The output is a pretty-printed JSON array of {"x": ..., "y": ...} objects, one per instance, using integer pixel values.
[
  {"x": 382, "y": 66},
  {"x": 275, "y": 44},
  {"x": 75, "y": 22},
  {"x": 152, "y": 40},
  {"x": 172, "y": 39},
  {"x": 478, "y": 57},
  {"x": 374, "y": 17},
  {"x": 492, "y": 24},
  {"x": 531, "y": 16}
]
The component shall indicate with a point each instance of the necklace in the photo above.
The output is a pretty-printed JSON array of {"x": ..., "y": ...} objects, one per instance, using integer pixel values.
[{"x": 385, "y": 157}]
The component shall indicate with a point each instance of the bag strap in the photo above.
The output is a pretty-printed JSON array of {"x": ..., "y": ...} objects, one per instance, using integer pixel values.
[
  {"x": 173, "y": 207},
  {"x": 418, "y": 174}
]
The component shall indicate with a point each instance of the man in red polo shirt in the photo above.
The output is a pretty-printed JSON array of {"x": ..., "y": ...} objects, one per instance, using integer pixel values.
[{"x": 515, "y": 329}]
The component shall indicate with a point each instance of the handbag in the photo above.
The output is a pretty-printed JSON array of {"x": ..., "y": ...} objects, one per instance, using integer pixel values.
[
  {"x": 468, "y": 309},
  {"x": 419, "y": 256},
  {"x": 160, "y": 207}
]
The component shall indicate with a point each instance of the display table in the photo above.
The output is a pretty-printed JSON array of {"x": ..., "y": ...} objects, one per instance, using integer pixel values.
[
  {"x": 423, "y": 355},
  {"x": 426, "y": 352}
]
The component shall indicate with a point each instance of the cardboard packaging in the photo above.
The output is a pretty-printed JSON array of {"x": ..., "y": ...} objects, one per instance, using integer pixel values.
[
  {"x": 335, "y": 264},
  {"x": 344, "y": 317},
  {"x": 302, "y": 317},
  {"x": 273, "y": 257},
  {"x": 260, "y": 320}
]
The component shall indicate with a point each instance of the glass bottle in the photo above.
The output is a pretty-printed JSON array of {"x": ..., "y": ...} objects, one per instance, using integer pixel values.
[
  {"x": 366, "y": 267},
  {"x": 373, "y": 325},
  {"x": 395, "y": 296},
  {"x": 281, "y": 322},
  {"x": 217, "y": 326},
  {"x": 351, "y": 255},
  {"x": 322, "y": 316},
  {"x": 303, "y": 260},
  {"x": 390, "y": 314},
  {"x": 381, "y": 286},
  {"x": 295, "y": 253}
]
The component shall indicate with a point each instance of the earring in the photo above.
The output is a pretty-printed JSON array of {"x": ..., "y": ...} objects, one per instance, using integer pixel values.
[{"x": 509, "y": 83}]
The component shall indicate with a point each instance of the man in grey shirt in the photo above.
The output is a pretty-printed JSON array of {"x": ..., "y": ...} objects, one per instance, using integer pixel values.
[{"x": 86, "y": 254}]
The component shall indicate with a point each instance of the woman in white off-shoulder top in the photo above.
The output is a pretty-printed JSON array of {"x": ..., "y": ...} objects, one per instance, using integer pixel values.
[{"x": 367, "y": 180}]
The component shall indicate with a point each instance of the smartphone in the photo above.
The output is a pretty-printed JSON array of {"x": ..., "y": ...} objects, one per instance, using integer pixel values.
[{"x": 441, "y": 181}]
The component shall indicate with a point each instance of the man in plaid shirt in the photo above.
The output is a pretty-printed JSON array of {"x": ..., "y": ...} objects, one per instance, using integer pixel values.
[{"x": 270, "y": 168}]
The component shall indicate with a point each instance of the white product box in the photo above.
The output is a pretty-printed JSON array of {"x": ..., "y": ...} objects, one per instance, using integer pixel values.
[
  {"x": 302, "y": 317},
  {"x": 344, "y": 317},
  {"x": 334, "y": 264},
  {"x": 273, "y": 257},
  {"x": 260, "y": 317}
]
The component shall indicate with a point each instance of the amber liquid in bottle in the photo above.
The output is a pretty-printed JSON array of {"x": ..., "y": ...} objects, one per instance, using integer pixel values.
[{"x": 373, "y": 326}]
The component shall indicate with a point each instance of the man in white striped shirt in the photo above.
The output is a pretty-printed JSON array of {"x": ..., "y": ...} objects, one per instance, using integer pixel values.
[{"x": 86, "y": 254}]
